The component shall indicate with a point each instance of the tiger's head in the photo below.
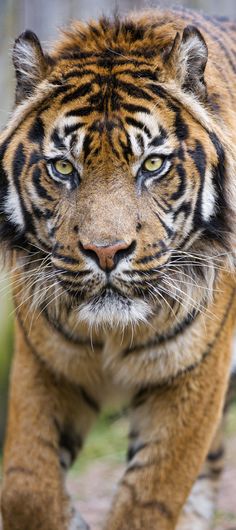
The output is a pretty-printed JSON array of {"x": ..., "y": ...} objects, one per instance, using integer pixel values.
[{"x": 114, "y": 174}]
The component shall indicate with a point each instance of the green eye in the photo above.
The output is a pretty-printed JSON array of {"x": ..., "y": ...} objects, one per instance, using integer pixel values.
[
  {"x": 152, "y": 164},
  {"x": 63, "y": 167}
]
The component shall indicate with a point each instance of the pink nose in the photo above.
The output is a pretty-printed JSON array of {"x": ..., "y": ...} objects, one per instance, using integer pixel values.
[{"x": 107, "y": 255}]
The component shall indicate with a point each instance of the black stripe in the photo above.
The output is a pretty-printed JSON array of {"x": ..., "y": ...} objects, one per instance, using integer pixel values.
[
  {"x": 71, "y": 287},
  {"x": 71, "y": 441},
  {"x": 42, "y": 192},
  {"x": 198, "y": 156},
  {"x": 76, "y": 72},
  {"x": 147, "y": 259},
  {"x": 83, "y": 111},
  {"x": 44, "y": 213},
  {"x": 140, "y": 141},
  {"x": 36, "y": 132},
  {"x": 158, "y": 90},
  {"x": 57, "y": 140},
  {"x": 132, "y": 451},
  {"x": 80, "y": 92},
  {"x": 89, "y": 400},
  {"x": 18, "y": 164},
  {"x": 181, "y": 127},
  {"x": 162, "y": 204},
  {"x": 168, "y": 230},
  {"x": 20, "y": 469},
  {"x": 126, "y": 147},
  {"x": 79, "y": 341},
  {"x": 133, "y": 90},
  {"x": 69, "y": 260},
  {"x": 131, "y": 107},
  {"x": 86, "y": 146},
  {"x": 152, "y": 504},
  {"x": 216, "y": 455},
  {"x": 70, "y": 272},
  {"x": 35, "y": 158},
  {"x": 215, "y": 473},
  {"x": 71, "y": 54},
  {"x": 62, "y": 89},
  {"x": 180, "y": 170},
  {"x": 142, "y": 73},
  {"x": 3, "y": 175},
  {"x": 159, "y": 506},
  {"x": 70, "y": 129},
  {"x": 139, "y": 125},
  {"x": 160, "y": 139},
  {"x": 162, "y": 339},
  {"x": 185, "y": 208},
  {"x": 66, "y": 259},
  {"x": 104, "y": 60},
  {"x": 219, "y": 225}
]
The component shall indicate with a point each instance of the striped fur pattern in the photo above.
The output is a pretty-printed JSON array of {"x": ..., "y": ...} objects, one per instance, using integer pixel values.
[{"x": 123, "y": 275}]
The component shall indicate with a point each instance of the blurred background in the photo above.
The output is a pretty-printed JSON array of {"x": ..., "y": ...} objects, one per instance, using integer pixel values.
[{"x": 45, "y": 17}]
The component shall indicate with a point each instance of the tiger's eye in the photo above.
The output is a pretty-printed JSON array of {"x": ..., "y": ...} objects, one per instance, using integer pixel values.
[
  {"x": 64, "y": 167},
  {"x": 153, "y": 164}
]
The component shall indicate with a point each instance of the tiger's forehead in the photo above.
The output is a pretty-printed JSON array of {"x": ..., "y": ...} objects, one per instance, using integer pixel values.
[
  {"x": 138, "y": 137},
  {"x": 99, "y": 100},
  {"x": 112, "y": 105}
]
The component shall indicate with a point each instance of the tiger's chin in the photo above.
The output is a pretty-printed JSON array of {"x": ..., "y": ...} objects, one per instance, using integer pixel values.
[{"x": 114, "y": 310}]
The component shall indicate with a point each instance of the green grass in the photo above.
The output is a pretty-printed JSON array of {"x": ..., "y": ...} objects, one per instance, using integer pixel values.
[
  {"x": 222, "y": 517},
  {"x": 107, "y": 440},
  {"x": 231, "y": 421},
  {"x": 6, "y": 347}
]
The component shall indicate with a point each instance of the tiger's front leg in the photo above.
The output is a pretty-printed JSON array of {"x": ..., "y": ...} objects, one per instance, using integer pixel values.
[
  {"x": 47, "y": 423},
  {"x": 172, "y": 427}
]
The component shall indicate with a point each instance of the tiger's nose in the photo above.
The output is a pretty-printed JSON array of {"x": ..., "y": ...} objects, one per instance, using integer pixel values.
[{"x": 107, "y": 256}]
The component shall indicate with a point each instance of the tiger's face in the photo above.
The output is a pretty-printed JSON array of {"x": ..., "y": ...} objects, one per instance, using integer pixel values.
[{"x": 117, "y": 182}]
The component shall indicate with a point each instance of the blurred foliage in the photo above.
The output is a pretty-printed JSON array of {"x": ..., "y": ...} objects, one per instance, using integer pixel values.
[
  {"x": 231, "y": 421},
  {"x": 6, "y": 346},
  {"x": 108, "y": 439}
]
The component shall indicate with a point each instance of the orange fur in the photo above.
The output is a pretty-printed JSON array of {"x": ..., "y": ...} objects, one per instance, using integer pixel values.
[{"x": 158, "y": 333}]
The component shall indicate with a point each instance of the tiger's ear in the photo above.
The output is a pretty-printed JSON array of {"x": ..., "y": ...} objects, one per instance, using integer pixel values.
[
  {"x": 31, "y": 65},
  {"x": 186, "y": 61}
]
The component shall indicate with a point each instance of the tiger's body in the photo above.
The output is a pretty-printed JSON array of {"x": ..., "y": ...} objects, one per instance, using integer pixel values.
[{"x": 118, "y": 202}]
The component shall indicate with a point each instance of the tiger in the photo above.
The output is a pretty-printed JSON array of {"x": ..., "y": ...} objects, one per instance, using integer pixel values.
[{"x": 118, "y": 221}]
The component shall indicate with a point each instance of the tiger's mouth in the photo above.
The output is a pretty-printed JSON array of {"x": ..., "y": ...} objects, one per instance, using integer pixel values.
[
  {"x": 109, "y": 295},
  {"x": 112, "y": 307}
]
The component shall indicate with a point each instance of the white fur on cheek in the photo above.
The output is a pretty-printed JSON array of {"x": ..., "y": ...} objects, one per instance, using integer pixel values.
[
  {"x": 12, "y": 208},
  {"x": 208, "y": 197}
]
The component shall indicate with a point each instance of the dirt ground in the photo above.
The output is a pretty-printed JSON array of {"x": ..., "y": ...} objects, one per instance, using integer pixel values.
[{"x": 93, "y": 489}]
